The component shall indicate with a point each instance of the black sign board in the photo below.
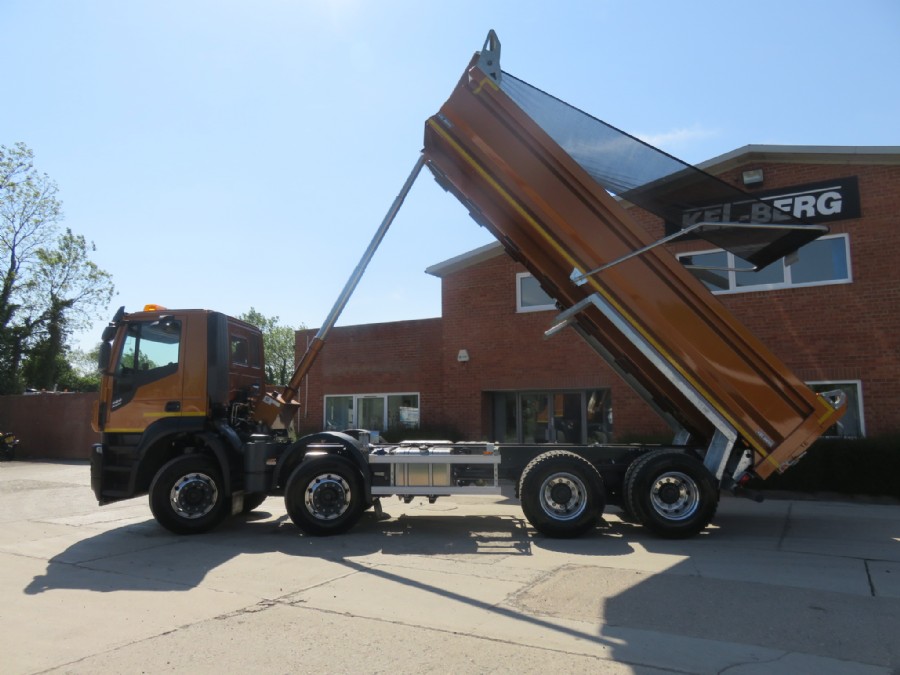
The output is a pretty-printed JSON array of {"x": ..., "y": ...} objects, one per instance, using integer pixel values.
[{"x": 821, "y": 202}]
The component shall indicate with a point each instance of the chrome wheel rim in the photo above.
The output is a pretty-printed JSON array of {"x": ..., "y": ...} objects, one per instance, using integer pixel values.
[
  {"x": 193, "y": 495},
  {"x": 327, "y": 496},
  {"x": 675, "y": 496},
  {"x": 563, "y": 496}
]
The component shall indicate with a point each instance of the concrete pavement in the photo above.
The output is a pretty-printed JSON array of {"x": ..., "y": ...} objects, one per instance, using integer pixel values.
[{"x": 463, "y": 585}]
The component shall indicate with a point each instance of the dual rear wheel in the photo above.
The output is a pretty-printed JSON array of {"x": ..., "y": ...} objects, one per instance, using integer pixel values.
[{"x": 669, "y": 492}]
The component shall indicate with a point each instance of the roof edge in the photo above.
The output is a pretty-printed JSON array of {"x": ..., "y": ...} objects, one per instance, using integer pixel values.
[
  {"x": 464, "y": 260},
  {"x": 804, "y": 154}
]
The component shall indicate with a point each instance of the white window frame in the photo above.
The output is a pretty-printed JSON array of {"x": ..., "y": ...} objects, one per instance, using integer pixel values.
[
  {"x": 534, "y": 308},
  {"x": 357, "y": 397},
  {"x": 735, "y": 264},
  {"x": 836, "y": 384}
]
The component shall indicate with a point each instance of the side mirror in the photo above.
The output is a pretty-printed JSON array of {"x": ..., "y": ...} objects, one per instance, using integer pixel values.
[{"x": 104, "y": 356}]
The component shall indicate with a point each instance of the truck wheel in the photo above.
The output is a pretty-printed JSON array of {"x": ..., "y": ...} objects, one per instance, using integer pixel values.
[
  {"x": 186, "y": 495},
  {"x": 324, "y": 495},
  {"x": 562, "y": 494},
  {"x": 671, "y": 493}
]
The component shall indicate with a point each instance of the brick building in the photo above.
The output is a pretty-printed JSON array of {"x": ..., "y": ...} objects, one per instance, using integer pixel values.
[{"x": 485, "y": 371}]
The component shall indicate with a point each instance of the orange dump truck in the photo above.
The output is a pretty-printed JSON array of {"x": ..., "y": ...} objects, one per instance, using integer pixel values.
[{"x": 554, "y": 185}]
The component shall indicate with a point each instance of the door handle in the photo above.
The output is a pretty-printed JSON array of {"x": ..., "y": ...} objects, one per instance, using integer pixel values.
[{"x": 173, "y": 406}]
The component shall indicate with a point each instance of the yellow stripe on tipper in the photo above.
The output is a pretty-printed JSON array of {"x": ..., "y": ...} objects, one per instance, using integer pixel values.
[
  {"x": 830, "y": 410},
  {"x": 486, "y": 80}
]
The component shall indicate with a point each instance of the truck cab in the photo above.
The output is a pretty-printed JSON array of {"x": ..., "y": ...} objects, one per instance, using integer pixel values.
[{"x": 175, "y": 382}]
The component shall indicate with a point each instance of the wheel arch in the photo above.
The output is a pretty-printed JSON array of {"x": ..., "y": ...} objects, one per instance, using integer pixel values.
[{"x": 164, "y": 442}]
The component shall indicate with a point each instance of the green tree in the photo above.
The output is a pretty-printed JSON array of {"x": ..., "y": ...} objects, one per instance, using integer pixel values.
[
  {"x": 29, "y": 212},
  {"x": 70, "y": 287},
  {"x": 79, "y": 372},
  {"x": 278, "y": 342},
  {"x": 49, "y": 285}
]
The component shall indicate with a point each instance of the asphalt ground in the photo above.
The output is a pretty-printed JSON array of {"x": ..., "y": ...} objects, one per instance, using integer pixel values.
[{"x": 460, "y": 586}]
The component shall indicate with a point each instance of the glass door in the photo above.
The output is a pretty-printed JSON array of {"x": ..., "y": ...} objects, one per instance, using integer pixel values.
[
  {"x": 371, "y": 413},
  {"x": 567, "y": 418},
  {"x": 536, "y": 421}
]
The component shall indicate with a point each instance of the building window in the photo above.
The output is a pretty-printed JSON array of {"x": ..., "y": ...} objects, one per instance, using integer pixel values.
[
  {"x": 530, "y": 297},
  {"x": 851, "y": 425},
  {"x": 821, "y": 262},
  {"x": 578, "y": 417},
  {"x": 373, "y": 412}
]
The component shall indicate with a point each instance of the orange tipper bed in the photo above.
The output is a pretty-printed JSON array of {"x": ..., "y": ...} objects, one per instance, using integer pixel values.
[{"x": 548, "y": 180}]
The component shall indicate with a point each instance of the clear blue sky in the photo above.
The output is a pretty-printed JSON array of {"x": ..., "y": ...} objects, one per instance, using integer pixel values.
[{"x": 228, "y": 154}]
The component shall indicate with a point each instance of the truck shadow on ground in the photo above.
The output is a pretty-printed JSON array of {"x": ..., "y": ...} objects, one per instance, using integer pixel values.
[
  {"x": 624, "y": 619},
  {"x": 144, "y": 556}
]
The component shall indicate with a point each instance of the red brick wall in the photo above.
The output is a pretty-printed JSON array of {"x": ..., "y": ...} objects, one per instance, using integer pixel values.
[
  {"x": 402, "y": 356},
  {"x": 51, "y": 425},
  {"x": 508, "y": 351}
]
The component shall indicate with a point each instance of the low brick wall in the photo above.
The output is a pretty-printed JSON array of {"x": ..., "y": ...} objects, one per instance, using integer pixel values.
[{"x": 50, "y": 425}]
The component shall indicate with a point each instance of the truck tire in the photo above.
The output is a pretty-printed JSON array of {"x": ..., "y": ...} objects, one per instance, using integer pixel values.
[
  {"x": 187, "y": 495},
  {"x": 671, "y": 493},
  {"x": 561, "y": 493},
  {"x": 629, "y": 510},
  {"x": 324, "y": 495}
]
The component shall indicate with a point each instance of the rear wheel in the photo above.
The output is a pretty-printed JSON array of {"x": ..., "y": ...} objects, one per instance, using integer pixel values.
[
  {"x": 562, "y": 494},
  {"x": 187, "y": 496},
  {"x": 324, "y": 495},
  {"x": 671, "y": 493}
]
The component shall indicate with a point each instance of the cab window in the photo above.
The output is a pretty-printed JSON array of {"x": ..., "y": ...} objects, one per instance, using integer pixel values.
[
  {"x": 150, "y": 350},
  {"x": 240, "y": 350}
]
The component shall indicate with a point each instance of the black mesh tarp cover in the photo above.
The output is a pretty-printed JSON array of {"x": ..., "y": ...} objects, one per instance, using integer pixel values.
[{"x": 636, "y": 172}]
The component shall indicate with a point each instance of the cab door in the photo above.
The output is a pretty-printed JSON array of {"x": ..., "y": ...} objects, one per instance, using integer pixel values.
[{"x": 147, "y": 382}]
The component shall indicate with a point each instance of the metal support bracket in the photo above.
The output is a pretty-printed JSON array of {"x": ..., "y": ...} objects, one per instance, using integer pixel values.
[
  {"x": 580, "y": 278},
  {"x": 489, "y": 56}
]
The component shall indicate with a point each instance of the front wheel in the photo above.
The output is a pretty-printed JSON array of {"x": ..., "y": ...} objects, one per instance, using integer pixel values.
[
  {"x": 324, "y": 495},
  {"x": 187, "y": 495},
  {"x": 671, "y": 493},
  {"x": 562, "y": 494}
]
